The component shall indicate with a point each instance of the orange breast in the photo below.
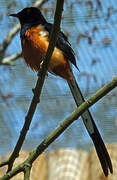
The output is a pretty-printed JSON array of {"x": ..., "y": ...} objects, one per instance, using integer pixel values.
[{"x": 34, "y": 47}]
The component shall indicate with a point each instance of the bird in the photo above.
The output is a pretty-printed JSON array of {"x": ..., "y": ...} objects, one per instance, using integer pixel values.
[{"x": 35, "y": 36}]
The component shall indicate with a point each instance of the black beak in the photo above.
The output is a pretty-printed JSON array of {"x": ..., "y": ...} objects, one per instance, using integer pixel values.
[{"x": 14, "y": 15}]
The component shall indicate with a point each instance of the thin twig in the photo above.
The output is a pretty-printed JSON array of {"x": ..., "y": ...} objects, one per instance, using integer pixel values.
[
  {"x": 8, "y": 40},
  {"x": 9, "y": 60},
  {"x": 39, "y": 3}
]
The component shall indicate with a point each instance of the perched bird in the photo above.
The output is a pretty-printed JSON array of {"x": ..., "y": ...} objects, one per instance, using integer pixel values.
[{"x": 35, "y": 36}]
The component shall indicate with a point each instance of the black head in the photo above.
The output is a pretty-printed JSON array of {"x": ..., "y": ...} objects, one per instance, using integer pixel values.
[{"x": 30, "y": 15}]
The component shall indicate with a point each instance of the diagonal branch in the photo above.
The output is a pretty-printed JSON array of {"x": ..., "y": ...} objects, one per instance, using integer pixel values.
[
  {"x": 60, "y": 129},
  {"x": 74, "y": 116},
  {"x": 39, "y": 84},
  {"x": 9, "y": 60},
  {"x": 8, "y": 40}
]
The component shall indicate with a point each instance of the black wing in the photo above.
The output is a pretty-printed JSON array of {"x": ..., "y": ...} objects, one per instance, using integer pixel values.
[{"x": 63, "y": 44}]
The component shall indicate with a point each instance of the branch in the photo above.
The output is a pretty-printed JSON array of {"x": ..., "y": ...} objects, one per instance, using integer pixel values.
[
  {"x": 18, "y": 169},
  {"x": 60, "y": 129},
  {"x": 69, "y": 120},
  {"x": 39, "y": 3},
  {"x": 7, "y": 40},
  {"x": 27, "y": 169},
  {"x": 9, "y": 60},
  {"x": 39, "y": 84},
  {"x": 13, "y": 32}
]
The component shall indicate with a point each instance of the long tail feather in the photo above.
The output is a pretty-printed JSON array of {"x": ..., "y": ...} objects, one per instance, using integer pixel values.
[{"x": 92, "y": 129}]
